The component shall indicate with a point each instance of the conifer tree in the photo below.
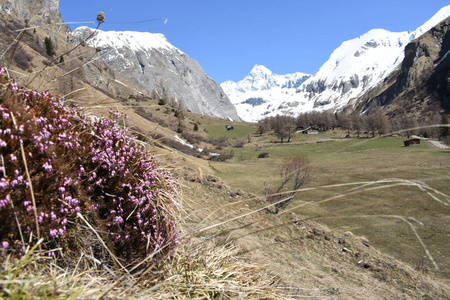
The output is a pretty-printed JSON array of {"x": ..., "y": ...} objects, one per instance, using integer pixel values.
[{"x": 49, "y": 46}]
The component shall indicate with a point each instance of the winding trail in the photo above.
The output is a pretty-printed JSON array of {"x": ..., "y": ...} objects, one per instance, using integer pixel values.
[{"x": 437, "y": 144}]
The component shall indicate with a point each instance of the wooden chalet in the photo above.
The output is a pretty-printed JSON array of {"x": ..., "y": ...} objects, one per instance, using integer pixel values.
[{"x": 411, "y": 142}]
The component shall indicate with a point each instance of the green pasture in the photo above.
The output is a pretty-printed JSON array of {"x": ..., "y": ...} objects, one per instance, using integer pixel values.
[
  {"x": 217, "y": 132},
  {"x": 373, "y": 187}
]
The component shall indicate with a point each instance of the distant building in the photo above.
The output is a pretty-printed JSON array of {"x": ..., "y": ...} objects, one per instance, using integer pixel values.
[
  {"x": 411, "y": 142},
  {"x": 310, "y": 130}
]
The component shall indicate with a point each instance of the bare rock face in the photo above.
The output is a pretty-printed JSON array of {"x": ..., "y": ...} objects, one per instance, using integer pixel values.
[
  {"x": 151, "y": 64},
  {"x": 424, "y": 74},
  {"x": 35, "y": 11}
]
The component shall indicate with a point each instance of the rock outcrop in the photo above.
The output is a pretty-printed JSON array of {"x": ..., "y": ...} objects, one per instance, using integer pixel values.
[
  {"x": 424, "y": 76},
  {"x": 35, "y": 12}
]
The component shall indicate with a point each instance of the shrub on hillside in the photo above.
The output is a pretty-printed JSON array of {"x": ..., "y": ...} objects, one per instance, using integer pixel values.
[
  {"x": 78, "y": 166},
  {"x": 239, "y": 144},
  {"x": 223, "y": 156},
  {"x": 22, "y": 59},
  {"x": 193, "y": 139},
  {"x": 220, "y": 143}
]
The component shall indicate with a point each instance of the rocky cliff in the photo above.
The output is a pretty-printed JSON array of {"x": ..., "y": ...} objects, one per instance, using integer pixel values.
[
  {"x": 151, "y": 64},
  {"x": 423, "y": 81},
  {"x": 34, "y": 11}
]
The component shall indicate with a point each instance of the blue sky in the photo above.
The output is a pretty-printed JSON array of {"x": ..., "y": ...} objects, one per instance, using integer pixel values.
[{"x": 228, "y": 37}]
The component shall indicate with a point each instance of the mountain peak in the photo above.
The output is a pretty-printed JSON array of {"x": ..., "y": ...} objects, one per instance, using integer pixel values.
[{"x": 260, "y": 70}]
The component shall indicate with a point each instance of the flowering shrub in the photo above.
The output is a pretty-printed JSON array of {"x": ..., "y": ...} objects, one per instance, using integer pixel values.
[{"x": 78, "y": 164}]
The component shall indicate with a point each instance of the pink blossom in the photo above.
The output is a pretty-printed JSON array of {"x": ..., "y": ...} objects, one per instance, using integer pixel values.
[
  {"x": 14, "y": 86},
  {"x": 47, "y": 167}
]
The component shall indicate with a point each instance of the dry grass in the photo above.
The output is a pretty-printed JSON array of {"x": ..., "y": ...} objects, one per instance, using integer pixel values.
[{"x": 199, "y": 270}]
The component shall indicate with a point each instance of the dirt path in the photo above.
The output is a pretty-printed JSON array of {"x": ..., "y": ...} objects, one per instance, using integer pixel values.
[{"x": 437, "y": 144}]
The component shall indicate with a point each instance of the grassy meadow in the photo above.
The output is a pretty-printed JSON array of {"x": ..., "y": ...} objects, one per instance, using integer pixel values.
[
  {"x": 395, "y": 196},
  {"x": 217, "y": 132}
]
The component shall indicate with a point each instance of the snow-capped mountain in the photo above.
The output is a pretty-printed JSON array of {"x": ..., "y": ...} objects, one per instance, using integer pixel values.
[
  {"x": 353, "y": 68},
  {"x": 151, "y": 64},
  {"x": 423, "y": 74},
  {"x": 260, "y": 89},
  {"x": 260, "y": 78}
]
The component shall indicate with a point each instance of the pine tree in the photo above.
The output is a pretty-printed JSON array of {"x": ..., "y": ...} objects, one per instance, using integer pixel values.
[{"x": 49, "y": 46}]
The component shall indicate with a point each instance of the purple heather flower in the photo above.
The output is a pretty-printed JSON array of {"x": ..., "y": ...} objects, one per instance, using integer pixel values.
[
  {"x": 47, "y": 167},
  {"x": 53, "y": 232},
  {"x": 5, "y": 201},
  {"x": 14, "y": 86},
  {"x": 81, "y": 171},
  {"x": 13, "y": 183},
  {"x": 5, "y": 244},
  {"x": 67, "y": 181},
  {"x": 62, "y": 136},
  {"x": 3, "y": 183},
  {"x": 68, "y": 145}
]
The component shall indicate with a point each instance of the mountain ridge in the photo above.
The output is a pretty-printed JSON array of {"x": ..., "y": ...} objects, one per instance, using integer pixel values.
[
  {"x": 423, "y": 75},
  {"x": 152, "y": 65},
  {"x": 355, "y": 67}
]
